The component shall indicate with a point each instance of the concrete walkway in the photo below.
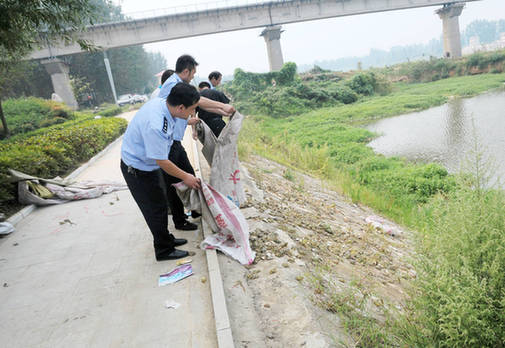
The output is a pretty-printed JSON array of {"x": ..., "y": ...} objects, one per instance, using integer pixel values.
[{"x": 83, "y": 274}]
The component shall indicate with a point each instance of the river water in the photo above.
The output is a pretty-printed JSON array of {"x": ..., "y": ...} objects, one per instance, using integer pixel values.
[{"x": 449, "y": 134}]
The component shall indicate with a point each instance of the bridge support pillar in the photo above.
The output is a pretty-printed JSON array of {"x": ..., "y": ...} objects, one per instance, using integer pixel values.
[
  {"x": 61, "y": 80},
  {"x": 452, "y": 40},
  {"x": 272, "y": 36},
  {"x": 109, "y": 74}
]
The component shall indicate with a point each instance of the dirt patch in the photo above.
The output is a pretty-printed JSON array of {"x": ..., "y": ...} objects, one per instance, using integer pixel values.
[{"x": 317, "y": 259}]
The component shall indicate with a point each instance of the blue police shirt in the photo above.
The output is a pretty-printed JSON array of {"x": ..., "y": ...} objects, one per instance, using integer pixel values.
[
  {"x": 168, "y": 85},
  {"x": 180, "y": 124},
  {"x": 149, "y": 136}
]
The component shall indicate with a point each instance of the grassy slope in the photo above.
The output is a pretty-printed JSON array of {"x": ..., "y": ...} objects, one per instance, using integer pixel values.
[
  {"x": 458, "y": 298},
  {"x": 325, "y": 140},
  {"x": 405, "y": 98}
]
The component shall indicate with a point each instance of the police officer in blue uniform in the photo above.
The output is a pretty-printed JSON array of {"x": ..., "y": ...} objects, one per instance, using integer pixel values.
[
  {"x": 185, "y": 69},
  {"x": 144, "y": 156}
]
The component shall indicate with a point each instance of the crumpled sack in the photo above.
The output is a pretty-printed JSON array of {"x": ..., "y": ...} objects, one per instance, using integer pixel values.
[
  {"x": 85, "y": 189},
  {"x": 224, "y": 218},
  {"x": 222, "y": 155},
  {"x": 6, "y": 228},
  {"x": 61, "y": 190},
  {"x": 25, "y": 196},
  {"x": 16, "y": 176}
]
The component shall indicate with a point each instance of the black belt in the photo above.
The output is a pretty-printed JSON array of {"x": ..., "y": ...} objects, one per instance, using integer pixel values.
[{"x": 136, "y": 172}]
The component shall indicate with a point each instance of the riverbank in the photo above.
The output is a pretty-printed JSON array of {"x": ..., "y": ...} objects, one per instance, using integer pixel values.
[
  {"x": 449, "y": 134},
  {"x": 320, "y": 268},
  {"x": 327, "y": 144}
]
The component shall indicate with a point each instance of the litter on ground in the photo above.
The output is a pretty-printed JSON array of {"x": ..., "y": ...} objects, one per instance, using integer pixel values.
[{"x": 175, "y": 275}]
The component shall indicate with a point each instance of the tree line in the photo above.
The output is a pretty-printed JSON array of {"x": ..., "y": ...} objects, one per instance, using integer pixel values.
[{"x": 133, "y": 68}]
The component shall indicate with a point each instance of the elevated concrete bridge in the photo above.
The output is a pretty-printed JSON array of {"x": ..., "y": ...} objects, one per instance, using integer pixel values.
[{"x": 270, "y": 15}]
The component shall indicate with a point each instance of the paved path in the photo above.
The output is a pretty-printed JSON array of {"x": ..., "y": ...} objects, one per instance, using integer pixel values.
[{"x": 83, "y": 274}]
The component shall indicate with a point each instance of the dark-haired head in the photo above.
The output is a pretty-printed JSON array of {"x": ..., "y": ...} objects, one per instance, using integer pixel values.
[
  {"x": 186, "y": 68},
  {"x": 203, "y": 84},
  {"x": 183, "y": 94},
  {"x": 215, "y": 75},
  {"x": 185, "y": 62},
  {"x": 166, "y": 74},
  {"x": 215, "y": 78}
]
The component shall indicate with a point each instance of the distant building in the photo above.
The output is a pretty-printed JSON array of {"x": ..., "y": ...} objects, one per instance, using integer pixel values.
[{"x": 475, "y": 45}]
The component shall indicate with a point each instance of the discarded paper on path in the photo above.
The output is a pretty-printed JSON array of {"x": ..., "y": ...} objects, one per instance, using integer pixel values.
[{"x": 175, "y": 275}]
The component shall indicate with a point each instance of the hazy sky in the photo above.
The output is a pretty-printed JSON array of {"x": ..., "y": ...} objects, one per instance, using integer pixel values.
[{"x": 306, "y": 42}]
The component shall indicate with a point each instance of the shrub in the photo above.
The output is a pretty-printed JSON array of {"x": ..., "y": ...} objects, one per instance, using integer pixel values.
[
  {"x": 51, "y": 121},
  {"x": 27, "y": 114},
  {"x": 350, "y": 153},
  {"x": 287, "y": 74},
  {"x": 278, "y": 102},
  {"x": 111, "y": 111},
  {"x": 314, "y": 92},
  {"x": 344, "y": 94},
  {"x": 460, "y": 282},
  {"x": 55, "y": 150},
  {"x": 418, "y": 183},
  {"x": 443, "y": 67},
  {"x": 382, "y": 85},
  {"x": 363, "y": 83},
  {"x": 291, "y": 95},
  {"x": 246, "y": 82},
  {"x": 477, "y": 60}
]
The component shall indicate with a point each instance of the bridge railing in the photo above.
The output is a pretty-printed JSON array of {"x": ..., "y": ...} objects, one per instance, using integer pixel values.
[{"x": 189, "y": 8}]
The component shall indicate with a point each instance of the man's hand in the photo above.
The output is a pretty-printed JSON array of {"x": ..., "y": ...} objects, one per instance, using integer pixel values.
[
  {"x": 193, "y": 120},
  {"x": 192, "y": 182},
  {"x": 228, "y": 109}
]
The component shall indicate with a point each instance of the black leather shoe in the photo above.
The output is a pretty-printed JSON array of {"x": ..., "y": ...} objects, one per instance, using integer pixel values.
[
  {"x": 187, "y": 226},
  {"x": 180, "y": 241},
  {"x": 174, "y": 255}
]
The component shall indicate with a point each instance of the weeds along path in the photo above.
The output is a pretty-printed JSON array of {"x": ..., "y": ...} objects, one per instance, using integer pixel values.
[{"x": 323, "y": 277}]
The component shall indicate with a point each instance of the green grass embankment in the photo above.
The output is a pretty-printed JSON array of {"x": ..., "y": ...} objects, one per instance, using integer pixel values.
[{"x": 326, "y": 142}]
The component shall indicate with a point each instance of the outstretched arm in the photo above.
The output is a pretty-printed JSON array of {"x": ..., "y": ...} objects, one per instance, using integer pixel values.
[{"x": 216, "y": 107}]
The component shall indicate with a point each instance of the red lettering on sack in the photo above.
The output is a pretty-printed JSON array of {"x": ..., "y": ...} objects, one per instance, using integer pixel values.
[
  {"x": 220, "y": 221},
  {"x": 234, "y": 177}
]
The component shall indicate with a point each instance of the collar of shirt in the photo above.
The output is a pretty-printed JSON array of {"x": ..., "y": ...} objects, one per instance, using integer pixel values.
[{"x": 168, "y": 85}]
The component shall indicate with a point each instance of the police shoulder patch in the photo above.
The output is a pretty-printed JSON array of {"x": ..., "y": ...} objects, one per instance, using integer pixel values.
[{"x": 165, "y": 124}]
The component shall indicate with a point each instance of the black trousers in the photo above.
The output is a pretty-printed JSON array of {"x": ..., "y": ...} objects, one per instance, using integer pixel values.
[
  {"x": 149, "y": 192},
  {"x": 180, "y": 158}
]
